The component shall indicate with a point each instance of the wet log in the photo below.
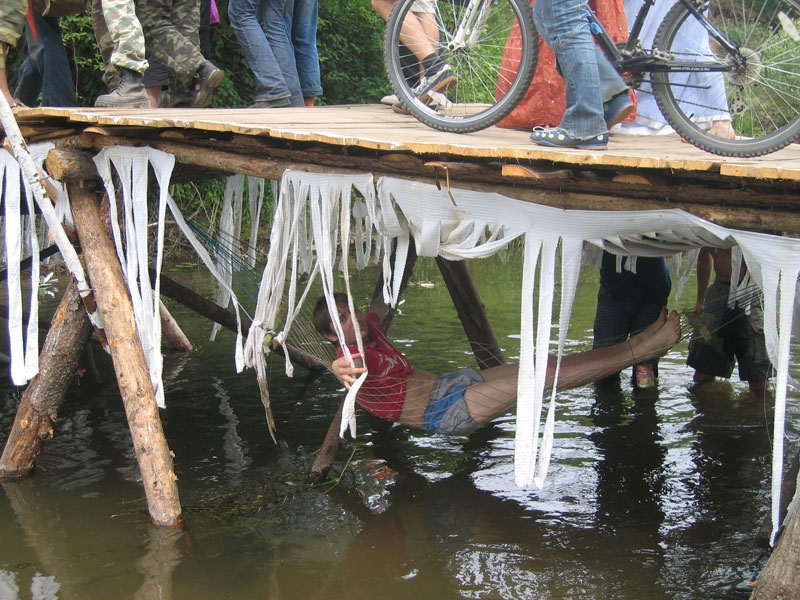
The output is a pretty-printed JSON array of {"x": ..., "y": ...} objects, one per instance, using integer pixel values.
[
  {"x": 471, "y": 313},
  {"x": 214, "y": 312},
  {"x": 172, "y": 331},
  {"x": 39, "y": 405},
  {"x": 111, "y": 295},
  {"x": 781, "y": 576}
]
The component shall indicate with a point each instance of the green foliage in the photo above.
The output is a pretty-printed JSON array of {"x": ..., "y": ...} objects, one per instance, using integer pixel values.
[
  {"x": 350, "y": 42},
  {"x": 87, "y": 63}
]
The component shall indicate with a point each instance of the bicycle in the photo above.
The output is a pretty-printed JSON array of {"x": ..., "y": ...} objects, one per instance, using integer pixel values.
[{"x": 737, "y": 57}]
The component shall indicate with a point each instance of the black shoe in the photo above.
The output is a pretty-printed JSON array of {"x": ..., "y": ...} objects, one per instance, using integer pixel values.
[
  {"x": 207, "y": 78},
  {"x": 175, "y": 99},
  {"x": 275, "y": 103},
  {"x": 129, "y": 92}
]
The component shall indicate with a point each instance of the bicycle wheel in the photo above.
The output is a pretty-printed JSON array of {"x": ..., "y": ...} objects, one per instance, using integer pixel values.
[
  {"x": 757, "y": 85},
  {"x": 491, "y": 47}
]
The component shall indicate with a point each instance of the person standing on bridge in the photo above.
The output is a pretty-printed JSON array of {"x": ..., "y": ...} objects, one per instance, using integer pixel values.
[
  {"x": 597, "y": 97},
  {"x": 171, "y": 30},
  {"x": 260, "y": 27}
]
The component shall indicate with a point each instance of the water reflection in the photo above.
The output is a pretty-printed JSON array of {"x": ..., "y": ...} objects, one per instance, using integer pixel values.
[{"x": 164, "y": 554}]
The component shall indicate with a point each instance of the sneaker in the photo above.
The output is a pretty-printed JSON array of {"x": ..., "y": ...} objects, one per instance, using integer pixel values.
[
  {"x": 617, "y": 109},
  {"x": 207, "y": 78},
  {"x": 439, "y": 100},
  {"x": 436, "y": 100},
  {"x": 390, "y": 100},
  {"x": 555, "y": 137},
  {"x": 440, "y": 81},
  {"x": 400, "y": 108}
]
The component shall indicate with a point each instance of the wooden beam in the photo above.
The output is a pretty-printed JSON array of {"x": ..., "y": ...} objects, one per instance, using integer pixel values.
[
  {"x": 471, "y": 312},
  {"x": 44, "y": 394},
  {"x": 105, "y": 274},
  {"x": 740, "y": 207}
]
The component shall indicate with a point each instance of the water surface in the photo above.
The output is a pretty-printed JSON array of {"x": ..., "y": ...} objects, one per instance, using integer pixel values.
[{"x": 661, "y": 494}]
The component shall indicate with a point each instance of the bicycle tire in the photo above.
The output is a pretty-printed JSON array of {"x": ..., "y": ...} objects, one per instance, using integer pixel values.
[
  {"x": 482, "y": 64},
  {"x": 759, "y": 88}
]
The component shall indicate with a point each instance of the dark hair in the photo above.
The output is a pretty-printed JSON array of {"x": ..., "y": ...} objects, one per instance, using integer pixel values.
[{"x": 322, "y": 318}]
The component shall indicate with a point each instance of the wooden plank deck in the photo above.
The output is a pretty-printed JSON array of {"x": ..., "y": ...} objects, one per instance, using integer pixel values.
[{"x": 635, "y": 172}]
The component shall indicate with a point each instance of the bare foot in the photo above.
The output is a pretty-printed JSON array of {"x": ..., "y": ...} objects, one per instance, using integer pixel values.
[
  {"x": 657, "y": 338},
  {"x": 722, "y": 128},
  {"x": 655, "y": 325}
]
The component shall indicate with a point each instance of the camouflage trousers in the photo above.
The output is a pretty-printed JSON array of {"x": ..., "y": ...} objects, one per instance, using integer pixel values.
[
  {"x": 119, "y": 36},
  {"x": 12, "y": 22},
  {"x": 171, "y": 28}
]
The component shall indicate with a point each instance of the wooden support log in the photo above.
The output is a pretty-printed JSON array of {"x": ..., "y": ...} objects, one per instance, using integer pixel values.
[
  {"x": 172, "y": 331},
  {"x": 781, "y": 575},
  {"x": 214, "y": 312},
  {"x": 38, "y": 407},
  {"x": 105, "y": 274},
  {"x": 470, "y": 311},
  {"x": 730, "y": 207},
  {"x": 332, "y": 442}
]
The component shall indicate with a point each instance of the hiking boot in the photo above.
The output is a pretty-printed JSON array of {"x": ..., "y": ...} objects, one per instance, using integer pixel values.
[
  {"x": 129, "y": 92},
  {"x": 175, "y": 99},
  {"x": 555, "y": 137},
  {"x": 441, "y": 80},
  {"x": 207, "y": 78}
]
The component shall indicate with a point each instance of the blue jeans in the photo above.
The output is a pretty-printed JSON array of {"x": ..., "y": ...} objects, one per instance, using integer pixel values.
[
  {"x": 616, "y": 320},
  {"x": 589, "y": 77},
  {"x": 46, "y": 69},
  {"x": 301, "y": 25},
  {"x": 261, "y": 30}
]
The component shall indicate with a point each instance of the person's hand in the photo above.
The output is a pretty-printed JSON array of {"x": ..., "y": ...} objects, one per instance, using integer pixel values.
[{"x": 346, "y": 373}]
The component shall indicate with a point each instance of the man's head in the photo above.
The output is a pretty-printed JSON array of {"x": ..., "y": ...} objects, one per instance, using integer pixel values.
[{"x": 323, "y": 324}]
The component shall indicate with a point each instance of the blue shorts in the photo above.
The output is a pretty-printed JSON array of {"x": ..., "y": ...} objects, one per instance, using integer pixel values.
[{"x": 447, "y": 410}]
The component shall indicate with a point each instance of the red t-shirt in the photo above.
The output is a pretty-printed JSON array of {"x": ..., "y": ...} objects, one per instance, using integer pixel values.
[{"x": 384, "y": 390}]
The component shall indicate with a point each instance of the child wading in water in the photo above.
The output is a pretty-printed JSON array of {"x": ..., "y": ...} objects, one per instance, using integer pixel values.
[{"x": 462, "y": 401}]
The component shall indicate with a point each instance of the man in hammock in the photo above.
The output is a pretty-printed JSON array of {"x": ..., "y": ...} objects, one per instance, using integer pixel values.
[{"x": 459, "y": 402}]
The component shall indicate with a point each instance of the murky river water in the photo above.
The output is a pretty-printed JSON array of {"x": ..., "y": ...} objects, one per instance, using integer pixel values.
[{"x": 655, "y": 495}]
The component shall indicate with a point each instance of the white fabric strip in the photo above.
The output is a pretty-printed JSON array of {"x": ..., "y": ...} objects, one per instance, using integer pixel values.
[{"x": 131, "y": 165}]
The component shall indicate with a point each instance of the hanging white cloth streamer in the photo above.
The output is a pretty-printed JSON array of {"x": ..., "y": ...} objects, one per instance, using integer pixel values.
[
  {"x": 317, "y": 214},
  {"x": 312, "y": 210},
  {"x": 459, "y": 224}
]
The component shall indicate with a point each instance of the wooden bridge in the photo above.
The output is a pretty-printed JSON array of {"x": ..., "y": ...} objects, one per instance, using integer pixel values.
[{"x": 635, "y": 173}]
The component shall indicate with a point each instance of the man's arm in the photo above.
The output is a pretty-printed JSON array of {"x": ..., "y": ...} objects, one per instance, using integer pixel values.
[{"x": 705, "y": 264}]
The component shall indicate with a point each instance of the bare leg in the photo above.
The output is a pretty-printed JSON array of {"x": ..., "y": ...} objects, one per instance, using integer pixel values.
[
  {"x": 416, "y": 30},
  {"x": 498, "y": 394}
]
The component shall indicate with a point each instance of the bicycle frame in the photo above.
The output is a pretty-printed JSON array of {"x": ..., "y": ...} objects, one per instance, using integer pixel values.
[
  {"x": 630, "y": 58},
  {"x": 470, "y": 26}
]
